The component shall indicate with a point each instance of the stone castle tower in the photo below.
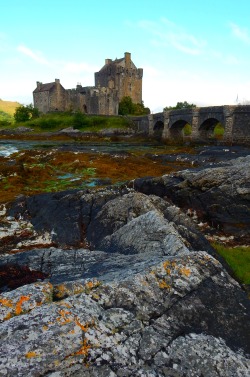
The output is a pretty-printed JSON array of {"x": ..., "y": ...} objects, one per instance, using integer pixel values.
[
  {"x": 123, "y": 76},
  {"x": 116, "y": 79}
]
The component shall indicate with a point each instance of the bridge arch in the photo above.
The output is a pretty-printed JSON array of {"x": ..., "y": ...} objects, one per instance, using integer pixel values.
[
  {"x": 179, "y": 129},
  {"x": 207, "y": 128},
  {"x": 158, "y": 129}
]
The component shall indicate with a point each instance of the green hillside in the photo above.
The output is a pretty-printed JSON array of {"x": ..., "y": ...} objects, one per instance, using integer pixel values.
[
  {"x": 7, "y": 109},
  {"x": 8, "y": 106}
]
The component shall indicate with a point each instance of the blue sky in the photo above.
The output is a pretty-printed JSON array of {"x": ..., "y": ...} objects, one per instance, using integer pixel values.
[{"x": 195, "y": 50}]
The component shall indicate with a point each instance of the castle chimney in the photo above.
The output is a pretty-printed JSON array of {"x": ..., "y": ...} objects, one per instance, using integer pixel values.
[
  {"x": 57, "y": 81},
  {"x": 108, "y": 61},
  {"x": 38, "y": 84},
  {"x": 127, "y": 56}
]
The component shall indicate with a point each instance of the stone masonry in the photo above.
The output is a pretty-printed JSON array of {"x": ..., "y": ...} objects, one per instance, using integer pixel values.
[{"x": 116, "y": 79}]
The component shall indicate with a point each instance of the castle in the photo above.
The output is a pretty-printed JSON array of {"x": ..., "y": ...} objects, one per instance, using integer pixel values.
[{"x": 116, "y": 79}]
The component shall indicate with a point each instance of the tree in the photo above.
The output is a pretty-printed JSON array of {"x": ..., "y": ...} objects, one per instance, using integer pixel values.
[
  {"x": 180, "y": 105},
  {"x": 25, "y": 113},
  {"x": 126, "y": 106}
]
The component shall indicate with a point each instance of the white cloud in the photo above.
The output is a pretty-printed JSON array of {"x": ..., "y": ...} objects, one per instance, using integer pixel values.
[
  {"x": 37, "y": 56},
  {"x": 167, "y": 33},
  {"x": 240, "y": 33}
]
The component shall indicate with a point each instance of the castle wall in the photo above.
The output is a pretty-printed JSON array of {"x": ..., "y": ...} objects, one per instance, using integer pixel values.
[
  {"x": 75, "y": 101},
  {"x": 57, "y": 99},
  {"x": 123, "y": 76},
  {"x": 41, "y": 101}
]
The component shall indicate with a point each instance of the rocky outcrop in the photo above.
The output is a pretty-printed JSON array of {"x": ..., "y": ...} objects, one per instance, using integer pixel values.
[
  {"x": 180, "y": 317},
  {"x": 130, "y": 287},
  {"x": 219, "y": 195},
  {"x": 95, "y": 219}
]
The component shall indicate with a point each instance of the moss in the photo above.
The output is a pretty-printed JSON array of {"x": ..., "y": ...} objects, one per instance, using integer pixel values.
[{"x": 238, "y": 258}]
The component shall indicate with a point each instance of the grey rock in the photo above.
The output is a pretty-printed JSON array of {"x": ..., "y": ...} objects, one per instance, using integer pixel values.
[
  {"x": 219, "y": 194},
  {"x": 132, "y": 327}
]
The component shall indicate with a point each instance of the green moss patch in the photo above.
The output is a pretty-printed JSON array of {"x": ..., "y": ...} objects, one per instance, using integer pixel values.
[{"x": 238, "y": 258}]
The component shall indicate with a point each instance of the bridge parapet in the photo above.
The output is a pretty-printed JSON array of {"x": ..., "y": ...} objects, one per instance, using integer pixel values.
[{"x": 169, "y": 124}]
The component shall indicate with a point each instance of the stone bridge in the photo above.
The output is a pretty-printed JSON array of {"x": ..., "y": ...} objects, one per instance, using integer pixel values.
[{"x": 169, "y": 125}]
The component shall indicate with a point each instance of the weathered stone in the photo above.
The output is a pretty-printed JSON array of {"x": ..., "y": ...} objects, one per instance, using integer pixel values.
[
  {"x": 219, "y": 195},
  {"x": 24, "y": 299},
  {"x": 140, "y": 299},
  {"x": 125, "y": 328}
]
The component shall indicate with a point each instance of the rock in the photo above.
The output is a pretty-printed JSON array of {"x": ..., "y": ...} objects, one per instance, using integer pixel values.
[
  {"x": 128, "y": 327},
  {"x": 131, "y": 286},
  {"x": 63, "y": 215},
  {"x": 24, "y": 299},
  {"x": 219, "y": 194},
  {"x": 200, "y": 354},
  {"x": 89, "y": 219}
]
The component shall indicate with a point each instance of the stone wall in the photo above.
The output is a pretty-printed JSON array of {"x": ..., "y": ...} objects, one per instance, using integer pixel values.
[
  {"x": 41, "y": 101},
  {"x": 241, "y": 125},
  {"x": 234, "y": 119},
  {"x": 57, "y": 98},
  {"x": 122, "y": 76}
]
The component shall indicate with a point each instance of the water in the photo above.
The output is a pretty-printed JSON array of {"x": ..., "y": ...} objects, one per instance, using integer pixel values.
[{"x": 7, "y": 149}]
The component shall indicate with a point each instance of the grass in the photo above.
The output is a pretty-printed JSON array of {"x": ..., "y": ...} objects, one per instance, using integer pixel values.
[
  {"x": 219, "y": 130},
  {"x": 57, "y": 121},
  {"x": 238, "y": 258}
]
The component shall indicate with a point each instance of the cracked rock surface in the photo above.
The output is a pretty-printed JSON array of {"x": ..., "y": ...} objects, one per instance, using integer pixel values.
[
  {"x": 219, "y": 194},
  {"x": 131, "y": 288}
]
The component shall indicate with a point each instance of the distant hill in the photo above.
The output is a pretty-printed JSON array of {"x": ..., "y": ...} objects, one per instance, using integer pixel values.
[{"x": 8, "y": 106}]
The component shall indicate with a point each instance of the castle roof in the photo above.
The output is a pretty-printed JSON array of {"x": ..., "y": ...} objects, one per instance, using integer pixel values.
[
  {"x": 44, "y": 87},
  {"x": 117, "y": 62}
]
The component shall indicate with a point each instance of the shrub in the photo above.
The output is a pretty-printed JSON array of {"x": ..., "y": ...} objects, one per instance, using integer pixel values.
[{"x": 25, "y": 113}]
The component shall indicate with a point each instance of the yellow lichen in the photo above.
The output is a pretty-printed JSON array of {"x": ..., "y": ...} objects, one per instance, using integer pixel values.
[
  {"x": 22, "y": 299},
  {"x": 8, "y": 316},
  {"x": 185, "y": 271},
  {"x": 64, "y": 317},
  {"x": 6, "y": 302},
  {"x": 166, "y": 264},
  {"x": 163, "y": 285},
  {"x": 83, "y": 327},
  {"x": 91, "y": 285},
  {"x": 31, "y": 354},
  {"x": 84, "y": 350}
]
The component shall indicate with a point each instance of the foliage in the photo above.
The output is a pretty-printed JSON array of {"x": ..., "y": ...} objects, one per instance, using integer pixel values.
[
  {"x": 219, "y": 130},
  {"x": 180, "y": 105},
  {"x": 238, "y": 258},
  {"x": 5, "y": 119},
  {"x": 187, "y": 129},
  {"x": 127, "y": 107},
  {"x": 140, "y": 109},
  {"x": 25, "y": 113},
  {"x": 92, "y": 123},
  {"x": 79, "y": 120}
]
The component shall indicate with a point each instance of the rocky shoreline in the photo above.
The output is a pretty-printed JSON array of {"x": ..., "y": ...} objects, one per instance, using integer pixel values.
[{"x": 127, "y": 282}]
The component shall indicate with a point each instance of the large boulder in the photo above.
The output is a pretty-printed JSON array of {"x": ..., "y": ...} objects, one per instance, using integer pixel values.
[
  {"x": 219, "y": 195},
  {"x": 89, "y": 219},
  {"x": 184, "y": 316}
]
